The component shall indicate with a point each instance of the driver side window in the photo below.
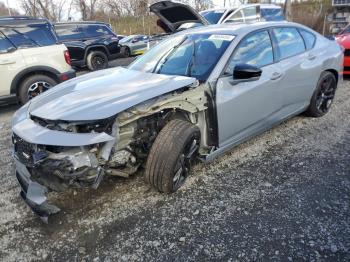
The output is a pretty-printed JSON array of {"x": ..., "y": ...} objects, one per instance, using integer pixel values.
[{"x": 255, "y": 50}]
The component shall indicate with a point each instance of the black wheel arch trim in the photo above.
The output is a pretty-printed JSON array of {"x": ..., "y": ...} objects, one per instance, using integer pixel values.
[{"x": 32, "y": 70}]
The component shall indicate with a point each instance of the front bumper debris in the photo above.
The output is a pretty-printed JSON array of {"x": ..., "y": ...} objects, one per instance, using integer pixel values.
[{"x": 34, "y": 194}]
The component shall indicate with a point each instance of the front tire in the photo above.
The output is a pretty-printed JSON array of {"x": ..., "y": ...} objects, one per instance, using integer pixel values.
[
  {"x": 97, "y": 60},
  {"x": 323, "y": 96},
  {"x": 170, "y": 157},
  {"x": 33, "y": 86}
]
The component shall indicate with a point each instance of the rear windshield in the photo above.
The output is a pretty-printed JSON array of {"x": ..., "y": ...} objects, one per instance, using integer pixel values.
[
  {"x": 213, "y": 16},
  {"x": 272, "y": 14},
  {"x": 31, "y": 35}
]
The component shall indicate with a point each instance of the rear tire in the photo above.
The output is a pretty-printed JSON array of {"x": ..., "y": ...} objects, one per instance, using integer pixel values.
[
  {"x": 33, "y": 86},
  {"x": 170, "y": 157},
  {"x": 323, "y": 96},
  {"x": 97, "y": 60}
]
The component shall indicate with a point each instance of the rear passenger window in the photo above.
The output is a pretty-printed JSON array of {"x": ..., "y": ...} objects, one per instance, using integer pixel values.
[
  {"x": 309, "y": 39},
  {"x": 68, "y": 32},
  {"x": 30, "y": 36},
  {"x": 41, "y": 35},
  {"x": 18, "y": 39},
  {"x": 95, "y": 30},
  {"x": 5, "y": 45},
  {"x": 255, "y": 49},
  {"x": 289, "y": 41}
]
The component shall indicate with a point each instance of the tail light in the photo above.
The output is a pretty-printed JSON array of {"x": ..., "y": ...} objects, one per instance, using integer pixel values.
[{"x": 67, "y": 57}]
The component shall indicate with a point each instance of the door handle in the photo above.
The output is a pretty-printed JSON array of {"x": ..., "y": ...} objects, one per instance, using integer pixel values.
[
  {"x": 276, "y": 75},
  {"x": 311, "y": 57},
  {"x": 7, "y": 62}
]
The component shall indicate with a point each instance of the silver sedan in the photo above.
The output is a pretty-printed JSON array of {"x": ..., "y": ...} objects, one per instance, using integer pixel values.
[
  {"x": 134, "y": 45},
  {"x": 196, "y": 94}
]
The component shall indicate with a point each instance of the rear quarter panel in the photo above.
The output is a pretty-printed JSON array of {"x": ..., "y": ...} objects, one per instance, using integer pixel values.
[
  {"x": 50, "y": 56},
  {"x": 333, "y": 56}
]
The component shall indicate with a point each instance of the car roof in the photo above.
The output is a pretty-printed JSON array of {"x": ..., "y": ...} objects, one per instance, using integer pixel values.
[
  {"x": 21, "y": 20},
  {"x": 237, "y": 29},
  {"x": 222, "y": 9},
  {"x": 81, "y": 23},
  {"x": 241, "y": 6}
]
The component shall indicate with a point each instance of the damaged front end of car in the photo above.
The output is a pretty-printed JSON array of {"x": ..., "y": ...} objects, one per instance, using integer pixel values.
[{"x": 53, "y": 155}]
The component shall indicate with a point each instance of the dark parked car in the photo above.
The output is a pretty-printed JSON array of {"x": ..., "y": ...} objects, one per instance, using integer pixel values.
[{"x": 90, "y": 44}]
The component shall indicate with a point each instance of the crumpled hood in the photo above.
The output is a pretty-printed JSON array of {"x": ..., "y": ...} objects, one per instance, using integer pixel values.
[{"x": 102, "y": 94}]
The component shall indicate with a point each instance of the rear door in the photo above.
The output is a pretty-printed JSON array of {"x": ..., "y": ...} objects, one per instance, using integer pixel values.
[
  {"x": 11, "y": 62},
  {"x": 246, "y": 108},
  {"x": 300, "y": 68}
]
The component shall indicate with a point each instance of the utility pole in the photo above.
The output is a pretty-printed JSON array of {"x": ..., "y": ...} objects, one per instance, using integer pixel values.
[{"x": 8, "y": 7}]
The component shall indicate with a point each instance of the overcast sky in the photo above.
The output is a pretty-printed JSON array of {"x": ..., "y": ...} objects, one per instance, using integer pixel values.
[{"x": 15, "y": 3}]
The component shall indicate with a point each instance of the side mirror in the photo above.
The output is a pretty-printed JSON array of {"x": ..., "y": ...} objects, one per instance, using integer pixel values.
[
  {"x": 134, "y": 41},
  {"x": 245, "y": 73}
]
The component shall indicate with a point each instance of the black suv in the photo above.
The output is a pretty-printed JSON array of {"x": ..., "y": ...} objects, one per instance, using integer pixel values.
[{"x": 90, "y": 44}]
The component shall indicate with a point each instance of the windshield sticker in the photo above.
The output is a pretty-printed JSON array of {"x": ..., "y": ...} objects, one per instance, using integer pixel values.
[{"x": 222, "y": 37}]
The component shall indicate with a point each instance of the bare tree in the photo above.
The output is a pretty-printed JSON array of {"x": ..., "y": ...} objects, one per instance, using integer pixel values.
[
  {"x": 52, "y": 10},
  {"x": 87, "y": 8},
  {"x": 202, "y": 4},
  {"x": 5, "y": 10}
]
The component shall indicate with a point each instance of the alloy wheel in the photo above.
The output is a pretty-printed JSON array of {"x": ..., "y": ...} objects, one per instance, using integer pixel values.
[
  {"x": 37, "y": 88},
  {"x": 183, "y": 164},
  {"x": 98, "y": 62},
  {"x": 326, "y": 94}
]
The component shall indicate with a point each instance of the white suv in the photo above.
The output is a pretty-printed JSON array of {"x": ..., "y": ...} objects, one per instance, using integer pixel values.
[{"x": 31, "y": 60}]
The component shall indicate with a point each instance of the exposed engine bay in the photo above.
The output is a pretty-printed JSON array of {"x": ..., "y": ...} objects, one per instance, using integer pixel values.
[{"x": 133, "y": 131}]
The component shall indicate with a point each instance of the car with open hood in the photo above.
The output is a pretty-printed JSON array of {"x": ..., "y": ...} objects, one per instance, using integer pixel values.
[
  {"x": 175, "y": 16},
  {"x": 244, "y": 13},
  {"x": 193, "y": 96}
]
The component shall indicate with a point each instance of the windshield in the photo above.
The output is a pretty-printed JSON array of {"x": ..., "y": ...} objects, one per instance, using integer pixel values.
[
  {"x": 213, "y": 16},
  {"x": 191, "y": 55},
  {"x": 127, "y": 39}
]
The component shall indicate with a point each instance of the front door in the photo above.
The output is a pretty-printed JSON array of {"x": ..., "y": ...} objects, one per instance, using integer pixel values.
[{"x": 246, "y": 108}]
